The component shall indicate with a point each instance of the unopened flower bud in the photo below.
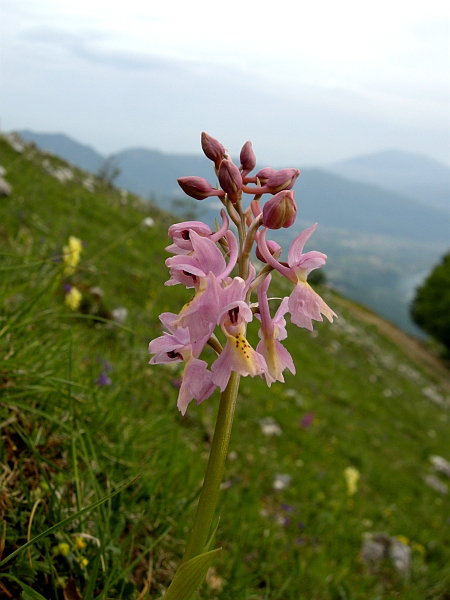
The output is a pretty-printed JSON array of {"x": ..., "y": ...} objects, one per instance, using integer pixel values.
[
  {"x": 248, "y": 158},
  {"x": 230, "y": 179},
  {"x": 264, "y": 174},
  {"x": 280, "y": 210},
  {"x": 282, "y": 180},
  {"x": 198, "y": 187},
  {"x": 274, "y": 249},
  {"x": 213, "y": 149}
]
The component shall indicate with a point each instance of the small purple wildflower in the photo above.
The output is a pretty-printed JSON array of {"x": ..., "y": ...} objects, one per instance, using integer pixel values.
[
  {"x": 103, "y": 379},
  {"x": 307, "y": 420}
]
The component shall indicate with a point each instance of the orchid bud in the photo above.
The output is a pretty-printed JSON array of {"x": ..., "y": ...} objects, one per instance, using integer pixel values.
[
  {"x": 280, "y": 211},
  {"x": 248, "y": 158},
  {"x": 264, "y": 174},
  {"x": 230, "y": 179},
  {"x": 198, "y": 187},
  {"x": 213, "y": 149},
  {"x": 282, "y": 180},
  {"x": 273, "y": 247}
]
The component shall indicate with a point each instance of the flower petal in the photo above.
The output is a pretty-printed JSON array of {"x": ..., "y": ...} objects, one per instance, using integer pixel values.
[
  {"x": 277, "y": 359},
  {"x": 297, "y": 245},
  {"x": 196, "y": 384},
  {"x": 240, "y": 357},
  {"x": 305, "y": 304}
]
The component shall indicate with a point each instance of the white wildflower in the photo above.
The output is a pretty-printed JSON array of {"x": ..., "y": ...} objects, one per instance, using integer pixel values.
[
  {"x": 148, "y": 222},
  {"x": 120, "y": 314},
  {"x": 270, "y": 427},
  {"x": 281, "y": 481}
]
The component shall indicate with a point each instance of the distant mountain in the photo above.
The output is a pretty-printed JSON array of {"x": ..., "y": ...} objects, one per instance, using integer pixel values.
[
  {"x": 338, "y": 202},
  {"x": 62, "y": 145},
  {"x": 332, "y": 200},
  {"x": 412, "y": 175},
  {"x": 149, "y": 172},
  {"x": 142, "y": 171}
]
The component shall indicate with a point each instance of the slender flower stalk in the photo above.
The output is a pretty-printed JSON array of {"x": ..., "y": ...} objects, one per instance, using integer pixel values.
[
  {"x": 209, "y": 496},
  {"x": 204, "y": 261}
]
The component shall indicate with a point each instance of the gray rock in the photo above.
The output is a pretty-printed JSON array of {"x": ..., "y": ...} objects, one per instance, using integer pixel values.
[
  {"x": 400, "y": 555},
  {"x": 434, "y": 482},
  {"x": 379, "y": 546},
  {"x": 440, "y": 465}
]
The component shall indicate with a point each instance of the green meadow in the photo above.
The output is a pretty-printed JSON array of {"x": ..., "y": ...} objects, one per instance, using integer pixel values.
[{"x": 86, "y": 422}]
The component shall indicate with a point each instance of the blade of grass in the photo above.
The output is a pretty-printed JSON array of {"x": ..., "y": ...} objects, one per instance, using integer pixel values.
[{"x": 26, "y": 588}]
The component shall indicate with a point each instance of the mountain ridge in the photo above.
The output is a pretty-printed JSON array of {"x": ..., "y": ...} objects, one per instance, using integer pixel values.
[
  {"x": 151, "y": 172},
  {"x": 417, "y": 176}
]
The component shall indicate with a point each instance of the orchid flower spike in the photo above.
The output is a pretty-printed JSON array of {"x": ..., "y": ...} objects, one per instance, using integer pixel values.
[{"x": 204, "y": 260}]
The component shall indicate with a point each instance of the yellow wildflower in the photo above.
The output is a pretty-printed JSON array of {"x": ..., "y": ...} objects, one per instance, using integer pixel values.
[
  {"x": 63, "y": 549},
  {"x": 351, "y": 477},
  {"x": 83, "y": 562},
  {"x": 403, "y": 539},
  {"x": 73, "y": 298},
  {"x": 79, "y": 543},
  {"x": 71, "y": 254},
  {"x": 419, "y": 548}
]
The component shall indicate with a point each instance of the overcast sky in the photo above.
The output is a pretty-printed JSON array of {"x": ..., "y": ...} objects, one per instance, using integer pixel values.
[{"x": 308, "y": 83}]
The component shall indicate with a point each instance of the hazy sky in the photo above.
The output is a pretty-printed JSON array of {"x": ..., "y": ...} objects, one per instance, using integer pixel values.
[{"x": 308, "y": 82}]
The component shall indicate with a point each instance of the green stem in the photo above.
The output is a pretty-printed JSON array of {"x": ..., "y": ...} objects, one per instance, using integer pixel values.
[{"x": 214, "y": 471}]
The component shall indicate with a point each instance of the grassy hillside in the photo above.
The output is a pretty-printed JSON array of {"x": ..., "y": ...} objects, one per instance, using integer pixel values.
[{"x": 82, "y": 413}]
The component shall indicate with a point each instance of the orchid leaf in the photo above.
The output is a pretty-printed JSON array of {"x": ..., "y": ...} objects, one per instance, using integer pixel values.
[
  {"x": 190, "y": 576},
  {"x": 212, "y": 536}
]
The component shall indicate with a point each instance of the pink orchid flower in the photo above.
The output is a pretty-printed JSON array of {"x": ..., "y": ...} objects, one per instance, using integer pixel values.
[
  {"x": 304, "y": 303},
  {"x": 205, "y": 258},
  {"x": 181, "y": 234},
  {"x": 203, "y": 269},
  {"x": 176, "y": 347},
  {"x": 271, "y": 331},
  {"x": 237, "y": 355}
]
